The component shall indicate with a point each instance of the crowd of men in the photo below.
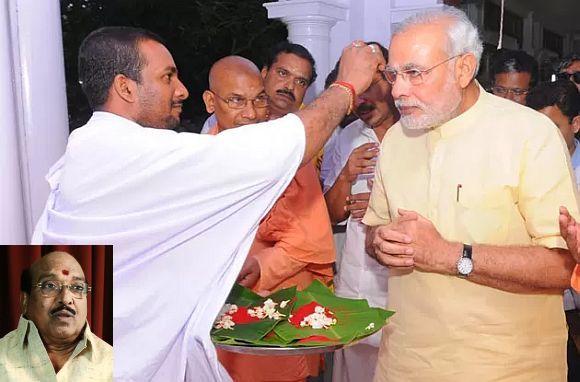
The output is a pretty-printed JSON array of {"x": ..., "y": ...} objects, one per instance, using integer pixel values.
[
  {"x": 515, "y": 77},
  {"x": 445, "y": 201}
]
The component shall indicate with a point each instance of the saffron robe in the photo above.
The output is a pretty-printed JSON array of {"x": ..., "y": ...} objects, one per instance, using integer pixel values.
[{"x": 294, "y": 246}]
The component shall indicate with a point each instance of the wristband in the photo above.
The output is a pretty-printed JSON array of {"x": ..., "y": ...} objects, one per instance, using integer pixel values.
[{"x": 351, "y": 93}]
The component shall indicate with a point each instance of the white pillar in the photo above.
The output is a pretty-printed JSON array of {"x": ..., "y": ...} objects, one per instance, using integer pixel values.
[
  {"x": 401, "y": 9},
  {"x": 528, "y": 34},
  {"x": 12, "y": 228},
  {"x": 374, "y": 20},
  {"x": 34, "y": 58},
  {"x": 309, "y": 23}
]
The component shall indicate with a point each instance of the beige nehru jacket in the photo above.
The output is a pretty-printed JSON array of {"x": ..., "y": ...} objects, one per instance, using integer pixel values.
[
  {"x": 495, "y": 175},
  {"x": 23, "y": 358}
]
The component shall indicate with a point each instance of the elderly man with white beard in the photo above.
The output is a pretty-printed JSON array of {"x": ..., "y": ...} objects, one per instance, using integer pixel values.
[{"x": 464, "y": 211}]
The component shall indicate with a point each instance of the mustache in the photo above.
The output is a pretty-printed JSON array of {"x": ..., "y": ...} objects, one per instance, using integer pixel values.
[
  {"x": 287, "y": 92},
  {"x": 63, "y": 307},
  {"x": 409, "y": 103},
  {"x": 365, "y": 107}
]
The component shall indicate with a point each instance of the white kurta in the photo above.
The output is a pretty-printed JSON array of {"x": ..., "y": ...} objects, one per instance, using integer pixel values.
[
  {"x": 359, "y": 275},
  {"x": 181, "y": 211}
]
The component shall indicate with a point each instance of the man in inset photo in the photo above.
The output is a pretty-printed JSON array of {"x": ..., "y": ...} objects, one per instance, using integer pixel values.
[{"x": 53, "y": 341}]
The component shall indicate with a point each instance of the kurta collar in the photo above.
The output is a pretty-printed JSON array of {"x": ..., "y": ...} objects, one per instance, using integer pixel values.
[
  {"x": 28, "y": 334},
  {"x": 369, "y": 132},
  {"x": 103, "y": 116},
  {"x": 463, "y": 120}
]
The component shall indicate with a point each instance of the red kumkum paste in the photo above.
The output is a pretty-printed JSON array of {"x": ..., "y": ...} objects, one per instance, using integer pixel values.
[
  {"x": 241, "y": 316},
  {"x": 315, "y": 338}
]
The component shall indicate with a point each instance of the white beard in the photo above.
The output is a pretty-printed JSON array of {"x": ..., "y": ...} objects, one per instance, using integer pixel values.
[{"x": 432, "y": 116}]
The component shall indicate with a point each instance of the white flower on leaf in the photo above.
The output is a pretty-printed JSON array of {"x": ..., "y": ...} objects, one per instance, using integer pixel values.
[
  {"x": 371, "y": 326},
  {"x": 318, "y": 319},
  {"x": 284, "y": 303},
  {"x": 267, "y": 310},
  {"x": 225, "y": 322},
  {"x": 270, "y": 308}
]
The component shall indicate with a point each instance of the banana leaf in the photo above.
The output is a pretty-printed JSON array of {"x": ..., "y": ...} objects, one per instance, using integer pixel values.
[
  {"x": 254, "y": 331},
  {"x": 353, "y": 316},
  {"x": 355, "y": 319}
]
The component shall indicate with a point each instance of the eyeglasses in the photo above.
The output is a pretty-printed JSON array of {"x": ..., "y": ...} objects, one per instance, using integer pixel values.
[
  {"x": 236, "y": 102},
  {"x": 501, "y": 91},
  {"x": 414, "y": 76},
  {"x": 53, "y": 288},
  {"x": 574, "y": 77}
]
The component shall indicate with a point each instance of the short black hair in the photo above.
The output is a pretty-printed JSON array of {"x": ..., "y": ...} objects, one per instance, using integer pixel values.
[
  {"x": 384, "y": 51},
  {"x": 288, "y": 47},
  {"x": 331, "y": 77},
  {"x": 26, "y": 281},
  {"x": 514, "y": 61},
  {"x": 567, "y": 61},
  {"x": 562, "y": 93},
  {"x": 107, "y": 52}
]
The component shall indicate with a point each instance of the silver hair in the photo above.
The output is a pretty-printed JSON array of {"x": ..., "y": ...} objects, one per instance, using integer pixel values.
[{"x": 463, "y": 35}]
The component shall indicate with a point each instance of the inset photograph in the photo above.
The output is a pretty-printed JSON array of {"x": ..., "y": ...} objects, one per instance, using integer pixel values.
[{"x": 57, "y": 313}]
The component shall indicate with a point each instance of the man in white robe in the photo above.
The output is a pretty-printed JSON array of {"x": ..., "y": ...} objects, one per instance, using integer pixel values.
[{"x": 180, "y": 209}]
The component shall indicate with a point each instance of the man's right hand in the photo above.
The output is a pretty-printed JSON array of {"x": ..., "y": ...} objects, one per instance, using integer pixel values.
[
  {"x": 389, "y": 244},
  {"x": 359, "y": 64},
  {"x": 362, "y": 160},
  {"x": 250, "y": 273}
]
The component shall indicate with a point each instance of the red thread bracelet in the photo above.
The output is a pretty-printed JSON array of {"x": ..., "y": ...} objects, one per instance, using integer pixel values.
[{"x": 352, "y": 93}]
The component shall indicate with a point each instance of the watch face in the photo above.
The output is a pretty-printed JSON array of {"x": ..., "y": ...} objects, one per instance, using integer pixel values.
[{"x": 464, "y": 266}]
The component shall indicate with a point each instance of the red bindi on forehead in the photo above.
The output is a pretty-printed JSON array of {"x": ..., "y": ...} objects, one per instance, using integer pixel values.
[{"x": 65, "y": 272}]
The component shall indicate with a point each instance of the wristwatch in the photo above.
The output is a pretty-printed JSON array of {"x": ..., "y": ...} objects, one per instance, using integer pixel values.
[{"x": 465, "y": 263}]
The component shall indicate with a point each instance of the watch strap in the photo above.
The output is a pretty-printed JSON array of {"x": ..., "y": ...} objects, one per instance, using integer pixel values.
[{"x": 467, "y": 251}]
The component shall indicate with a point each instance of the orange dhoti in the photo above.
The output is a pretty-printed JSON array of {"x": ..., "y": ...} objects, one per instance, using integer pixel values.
[{"x": 294, "y": 247}]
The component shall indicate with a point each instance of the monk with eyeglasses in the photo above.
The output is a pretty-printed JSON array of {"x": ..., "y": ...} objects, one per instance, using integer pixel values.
[{"x": 294, "y": 243}]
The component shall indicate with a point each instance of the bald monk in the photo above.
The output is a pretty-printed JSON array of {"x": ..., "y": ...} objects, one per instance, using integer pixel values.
[
  {"x": 294, "y": 243},
  {"x": 236, "y": 94}
]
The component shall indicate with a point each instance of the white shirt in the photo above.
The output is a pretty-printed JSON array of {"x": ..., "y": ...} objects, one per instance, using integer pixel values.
[
  {"x": 359, "y": 275},
  {"x": 181, "y": 211}
]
